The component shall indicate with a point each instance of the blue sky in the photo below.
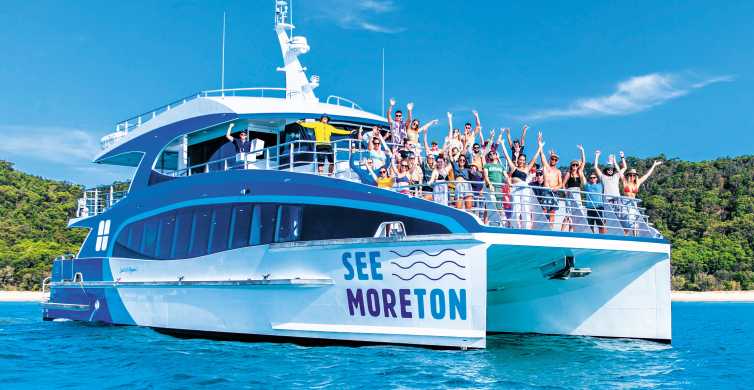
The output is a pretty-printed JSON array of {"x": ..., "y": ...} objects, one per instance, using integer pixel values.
[{"x": 672, "y": 77}]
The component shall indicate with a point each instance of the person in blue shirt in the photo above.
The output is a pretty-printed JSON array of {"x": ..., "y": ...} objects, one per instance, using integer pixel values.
[
  {"x": 242, "y": 144},
  {"x": 594, "y": 202}
]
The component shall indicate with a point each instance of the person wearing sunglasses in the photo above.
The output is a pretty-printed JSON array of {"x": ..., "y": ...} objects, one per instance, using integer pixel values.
[
  {"x": 383, "y": 179},
  {"x": 573, "y": 181},
  {"x": 594, "y": 202},
  {"x": 631, "y": 184},
  {"x": 378, "y": 148},
  {"x": 397, "y": 123},
  {"x": 517, "y": 146},
  {"x": 545, "y": 196},
  {"x": 464, "y": 193},
  {"x": 400, "y": 174},
  {"x": 498, "y": 187},
  {"x": 441, "y": 175}
]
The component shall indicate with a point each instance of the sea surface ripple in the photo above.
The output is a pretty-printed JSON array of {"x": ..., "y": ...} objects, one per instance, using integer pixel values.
[{"x": 713, "y": 347}]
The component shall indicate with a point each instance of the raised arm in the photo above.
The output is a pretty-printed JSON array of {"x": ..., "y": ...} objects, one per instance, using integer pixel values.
[
  {"x": 617, "y": 169},
  {"x": 450, "y": 125},
  {"x": 383, "y": 144},
  {"x": 541, "y": 145},
  {"x": 523, "y": 135},
  {"x": 390, "y": 111},
  {"x": 478, "y": 123},
  {"x": 426, "y": 145},
  {"x": 649, "y": 172},
  {"x": 487, "y": 148},
  {"x": 624, "y": 165},
  {"x": 428, "y": 125},
  {"x": 508, "y": 135},
  {"x": 597, "y": 169},
  {"x": 410, "y": 109},
  {"x": 583, "y": 163},
  {"x": 511, "y": 164},
  {"x": 227, "y": 134}
]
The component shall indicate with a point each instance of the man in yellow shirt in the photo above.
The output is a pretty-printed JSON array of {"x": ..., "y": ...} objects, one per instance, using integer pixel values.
[{"x": 323, "y": 130}]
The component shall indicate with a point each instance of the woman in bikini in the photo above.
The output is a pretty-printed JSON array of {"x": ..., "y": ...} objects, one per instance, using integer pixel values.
[{"x": 631, "y": 184}]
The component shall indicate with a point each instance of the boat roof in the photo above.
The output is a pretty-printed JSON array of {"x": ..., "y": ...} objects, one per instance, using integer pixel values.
[{"x": 123, "y": 150}]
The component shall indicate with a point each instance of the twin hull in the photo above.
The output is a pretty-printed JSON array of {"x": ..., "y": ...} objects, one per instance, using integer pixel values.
[{"x": 440, "y": 290}]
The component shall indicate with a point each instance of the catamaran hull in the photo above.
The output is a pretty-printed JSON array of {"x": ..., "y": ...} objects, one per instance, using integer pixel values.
[{"x": 447, "y": 291}]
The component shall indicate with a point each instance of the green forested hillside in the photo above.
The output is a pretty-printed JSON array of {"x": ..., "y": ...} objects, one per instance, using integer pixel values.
[
  {"x": 705, "y": 208},
  {"x": 33, "y": 217}
]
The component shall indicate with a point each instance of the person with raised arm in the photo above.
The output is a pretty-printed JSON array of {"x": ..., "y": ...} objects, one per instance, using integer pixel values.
[
  {"x": 573, "y": 181},
  {"x": 242, "y": 144},
  {"x": 521, "y": 193},
  {"x": 610, "y": 178},
  {"x": 397, "y": 124},
  {"x": 468, "y": 134},
  {"x": 454, "y": 135},
  {"x": 496, "y": 180},
  {"x": 517, "y": 146},
  {"x": 323, "y": 132},
  {"x": 553, "y": 178},
  {"x": 441, "y": 175},
  {"x": 631, "y": 184},
  {"x": 375, "y": 147}
]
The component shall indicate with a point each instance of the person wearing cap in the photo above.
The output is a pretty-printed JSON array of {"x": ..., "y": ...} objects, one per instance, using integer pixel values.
[
  {"x": 242, "y": 144},
  {"x": 610, "y": 177},
  {"x": 631, "y": 183},
  {"x": 573, "y": 181},
  {"x": 553, "y": 177},
  {"x": 594, "y": 202},
  {"x": 545, "y": 196},
  {"x": 323, "y": 131}
]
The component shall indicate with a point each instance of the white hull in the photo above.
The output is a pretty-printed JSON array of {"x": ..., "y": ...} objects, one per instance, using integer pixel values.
[{"x": 485, "y": 283}]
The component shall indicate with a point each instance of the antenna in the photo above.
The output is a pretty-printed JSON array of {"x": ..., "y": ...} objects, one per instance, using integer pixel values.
[
  {"x": 222, "y": 61},
  {"x": 382, "y": 99}
]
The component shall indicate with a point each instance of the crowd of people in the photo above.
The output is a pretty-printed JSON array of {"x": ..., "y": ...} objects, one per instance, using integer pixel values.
[
  {"x": 517, "y": 190},
  {"x": 491, "y": 177}
]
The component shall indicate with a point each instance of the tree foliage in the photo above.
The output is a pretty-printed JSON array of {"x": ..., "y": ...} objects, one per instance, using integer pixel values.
[{"x": 706, "y": 209}]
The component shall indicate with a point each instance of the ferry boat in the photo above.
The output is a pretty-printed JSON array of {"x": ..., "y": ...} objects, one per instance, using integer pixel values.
[{"x": 262, "y": 245}]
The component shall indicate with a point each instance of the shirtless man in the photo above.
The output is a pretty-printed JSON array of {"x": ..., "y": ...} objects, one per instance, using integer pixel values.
[{"x": 553, "y": 177}]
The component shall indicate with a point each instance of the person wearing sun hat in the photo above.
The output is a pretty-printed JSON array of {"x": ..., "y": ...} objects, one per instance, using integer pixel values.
[{"x": 631, "y": 183}]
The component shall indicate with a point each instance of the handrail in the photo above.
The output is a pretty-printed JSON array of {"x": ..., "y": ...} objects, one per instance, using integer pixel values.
[
  {"x": 338, "y": 99},
  {"x": 491, "y": 206}
]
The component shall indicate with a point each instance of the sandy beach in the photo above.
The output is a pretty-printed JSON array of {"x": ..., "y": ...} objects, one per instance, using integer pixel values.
[
  {"x": 713, "y": 296},
  {"x": 22, "y": 296}
]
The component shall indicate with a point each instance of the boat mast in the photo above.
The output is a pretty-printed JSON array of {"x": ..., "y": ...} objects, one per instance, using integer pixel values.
[{"x": 297, "y": 86}]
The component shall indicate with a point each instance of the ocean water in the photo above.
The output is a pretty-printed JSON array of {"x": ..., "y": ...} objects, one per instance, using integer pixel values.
[{"x": 713, "y": 347}]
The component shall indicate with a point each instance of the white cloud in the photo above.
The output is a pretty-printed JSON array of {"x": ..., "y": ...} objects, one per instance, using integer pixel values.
[
  {"x": 371, "y": 15},
  {"x": 57, "y": 152},
  {"x": 634, "y": 95}
]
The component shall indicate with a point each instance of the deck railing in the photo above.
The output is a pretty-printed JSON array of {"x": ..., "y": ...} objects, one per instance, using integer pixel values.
[
  {"x": 503, "y": 205},
  {"x": 122, "y": 128},
  {"x": 96, "y": 200}
]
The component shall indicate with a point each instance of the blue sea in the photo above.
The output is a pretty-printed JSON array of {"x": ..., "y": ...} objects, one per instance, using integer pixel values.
[{"x": 713, "y": 347}]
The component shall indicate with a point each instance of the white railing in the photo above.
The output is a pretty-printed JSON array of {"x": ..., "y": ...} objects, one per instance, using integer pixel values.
[
  {"x": 503, "y": 205},
  {"x": 339, "y": 100},
  {"x": 96, "y": 200}
]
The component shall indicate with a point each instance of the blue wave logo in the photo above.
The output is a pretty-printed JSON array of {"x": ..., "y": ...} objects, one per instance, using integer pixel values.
[
  {"x": 419, "y": 263},
  {"x": 429, "y": 254}
]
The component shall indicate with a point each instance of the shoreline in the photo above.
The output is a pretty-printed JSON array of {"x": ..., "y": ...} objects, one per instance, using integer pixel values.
[
  {"x": 676, "y": 296},
  {"x": 712, "y": 296},
  {"x": 23, "y": 296}
]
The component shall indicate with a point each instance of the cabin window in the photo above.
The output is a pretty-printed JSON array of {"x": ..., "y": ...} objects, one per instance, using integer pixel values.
[
  {"x": 200, "y": 232},
  {"x": 289, "y": 220},
  {"x": 263, "y": 224},
  {"x": 197, "y": 231},
  {"x": 184, "y": 221},
  {"x": 220, "y": 228},
  {"x": 166, "y": 234},
  {"x": 241, "y": 227}
]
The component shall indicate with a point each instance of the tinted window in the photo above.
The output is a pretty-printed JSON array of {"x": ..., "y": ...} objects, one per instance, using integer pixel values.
[
  {"x": 263, "y": 224},
  {"x": 184, "y": 221},
  {"x": 134, "y": 239},
  {"x": 290, "y": 223},
  {"x": 241, "y": 230},
  {"x": 200, "y": 232},
  {"x": 166, "y": 234},
  {"x": 150, "y": 237},
  {"x": 331, "y": 222},
  {"x": 220, "y": 228}
]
